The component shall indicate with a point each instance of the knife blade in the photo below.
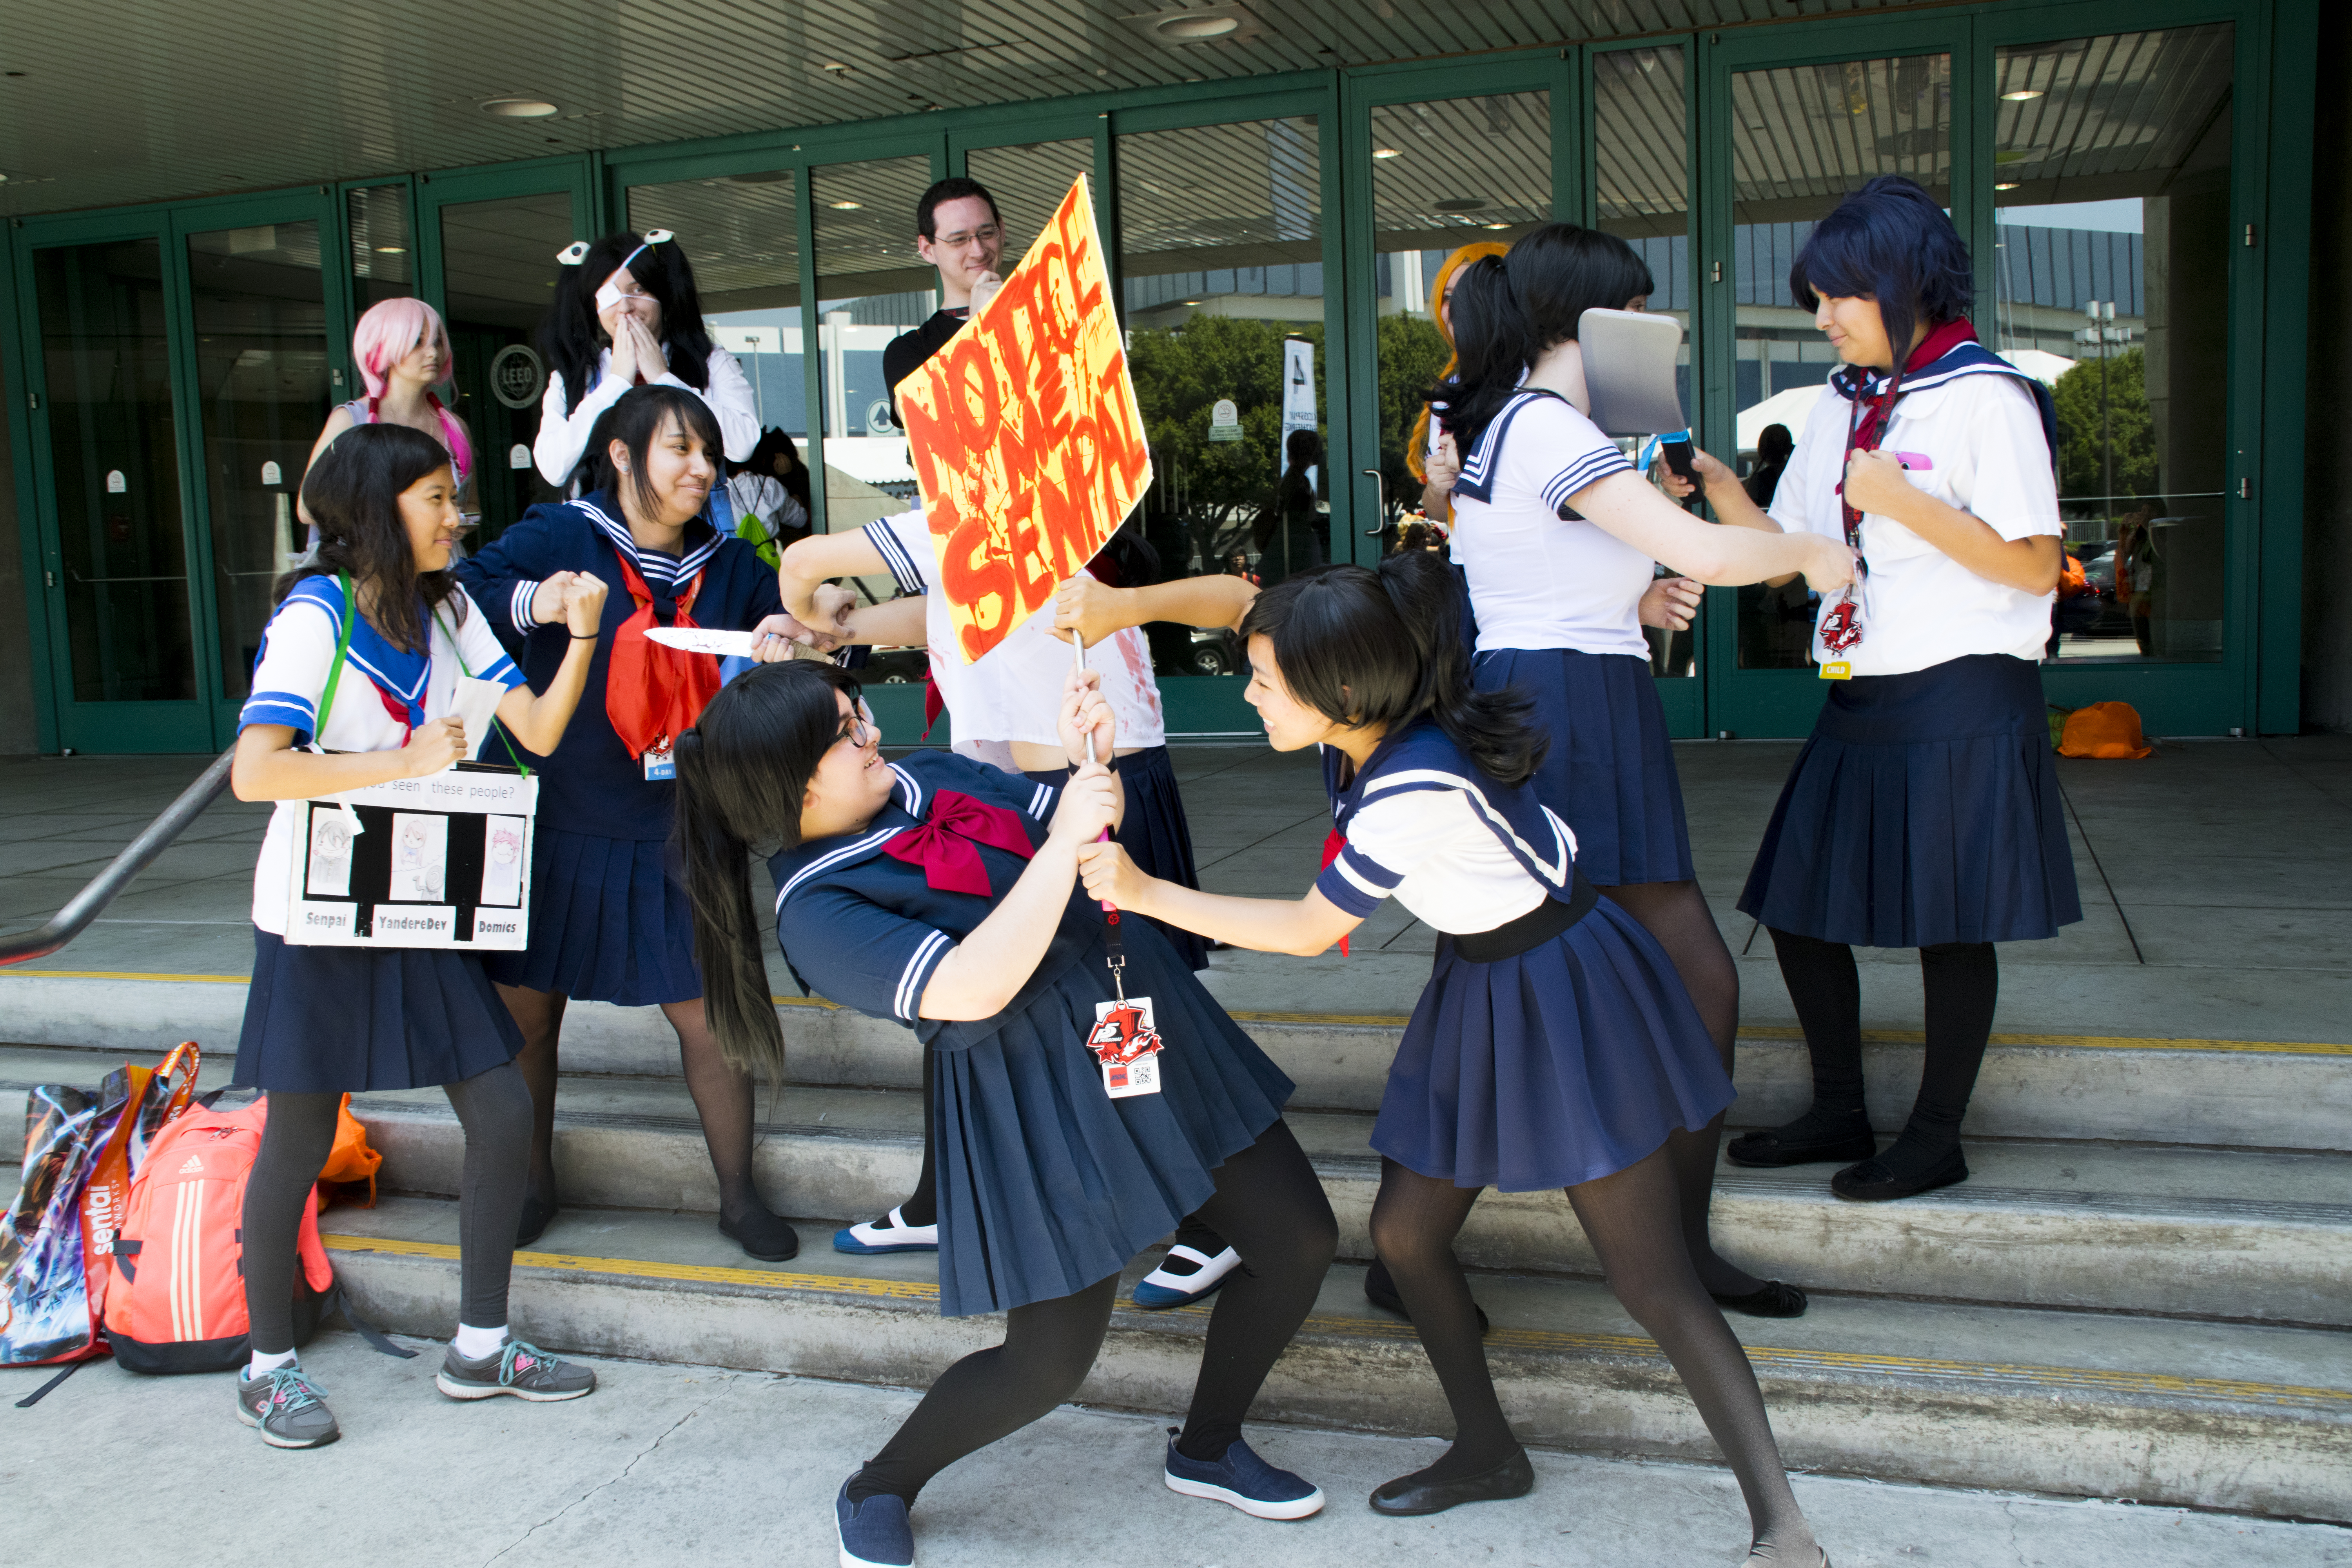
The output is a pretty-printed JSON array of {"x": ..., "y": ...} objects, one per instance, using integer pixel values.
[{"x": 702, "y": 639}]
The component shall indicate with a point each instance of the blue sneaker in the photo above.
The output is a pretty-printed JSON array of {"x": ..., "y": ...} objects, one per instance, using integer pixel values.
[
  {"x": 1184, "y": 1276},
  {"x": 1244, "y": 1480},
  {"x": 874, "y": 1533},
  {"x": 889, "y": 1234}
]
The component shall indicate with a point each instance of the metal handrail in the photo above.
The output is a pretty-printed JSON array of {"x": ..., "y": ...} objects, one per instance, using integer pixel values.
[{"x": 85, "y": 906}]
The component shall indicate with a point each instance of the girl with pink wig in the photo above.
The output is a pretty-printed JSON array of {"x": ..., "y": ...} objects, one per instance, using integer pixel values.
[{"x": 403, "y": 349}]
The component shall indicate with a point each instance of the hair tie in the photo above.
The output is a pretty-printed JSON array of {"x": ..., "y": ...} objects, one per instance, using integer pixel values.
[{"x": 574, "y": 254}]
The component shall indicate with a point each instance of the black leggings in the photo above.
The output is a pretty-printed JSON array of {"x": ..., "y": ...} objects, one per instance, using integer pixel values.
[
  {"x": 1268, "y": 1201},
  {"x": 1632, "y": 1219},
  {"x": 493, "y": 1107},
  {"x": 1962, "y": 985}
]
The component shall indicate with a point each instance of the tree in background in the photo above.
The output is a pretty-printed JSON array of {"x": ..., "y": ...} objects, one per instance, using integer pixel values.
[
  {"x": 2127, "y": 425},
  {"x": 1212, "y": 491},
  {"x": 1411, "y": 353}
]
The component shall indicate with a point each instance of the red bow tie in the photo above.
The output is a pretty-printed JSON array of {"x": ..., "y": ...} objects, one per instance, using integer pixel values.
[
  {"x": 943, "y": 846},
  {"x": 1333, "y": 842}
]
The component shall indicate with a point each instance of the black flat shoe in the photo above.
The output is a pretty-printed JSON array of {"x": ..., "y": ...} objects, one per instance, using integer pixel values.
[
  {"x": 1380, "y": 1291},
  {"x": 1872, "y": 1182},
  {"x": 1769, "y": 1150},
  {"x": 773, "y": 1242},
  {"x": 1515, "y": 1477},
  {"x": 1770, "y": 1299},
  {"x": 537, "y": 1214}
]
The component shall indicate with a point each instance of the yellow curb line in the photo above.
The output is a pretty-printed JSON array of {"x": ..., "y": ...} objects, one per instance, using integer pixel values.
[
  {"x": 1398, "y": 1021},
  {"x": 1544, "y": 1340}
]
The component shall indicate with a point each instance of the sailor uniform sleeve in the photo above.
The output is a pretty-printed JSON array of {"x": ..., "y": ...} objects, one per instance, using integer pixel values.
[
  {"x": 858, "y": 953},
  {"x": 478, "y": 644},
  {"x": 563, "y": 430},
  {"x": 504, "y": 575},
  {"x": 1562, "y": 453},
  {"x": 905, "y": 541},
  {"x": 1389, "y": 840},
  {"x": 2015, "y": 493},
  {"x": 730, "y": 397},
  {"x": 298, "y": 647},
  {"x": 1795, "y": 502}
]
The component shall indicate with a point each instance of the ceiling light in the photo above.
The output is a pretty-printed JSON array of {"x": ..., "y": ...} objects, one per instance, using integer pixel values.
[
  {"x": 2004, "y": 185},
  {"x": 846, "y": 206},
  {"x": 519, "y": 108},
  {"x": 1498, "y": 225},
  {"x": 1386, "y": 153},
  {"x": 391, "y": 250},
  {"x": 2020, "y": 95},
  {"x": 1186, "y": 28}
]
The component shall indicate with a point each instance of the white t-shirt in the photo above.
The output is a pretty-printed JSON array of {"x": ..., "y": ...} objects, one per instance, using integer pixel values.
[
  {"x": 298, "y": 647},
  {"x": 1015, "y": 691},
  {"x": 1982, "y": 437},
  {"x": 563, "y": 430},
  {"x": 1457, "y": 875},
  {"x": 1538, "y": 580}
]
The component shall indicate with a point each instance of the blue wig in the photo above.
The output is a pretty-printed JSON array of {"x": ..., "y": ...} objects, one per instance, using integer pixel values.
[{"x": 1889, "y": 242}]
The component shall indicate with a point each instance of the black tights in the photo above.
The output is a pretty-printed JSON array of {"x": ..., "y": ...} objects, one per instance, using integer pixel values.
[
  {"x": 923, "y": 1206},
  {"x": 1962, "y": 985},
  {"x": 1629, "y": 1218},
  {"x": 1268, "y": 1201},
  {"x": 722, "y": 1099},
  {"x": 1676, "y": 914},
  {"x": 493, "y": 1107}
]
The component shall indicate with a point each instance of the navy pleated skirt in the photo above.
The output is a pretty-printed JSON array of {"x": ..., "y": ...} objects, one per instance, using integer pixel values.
[
  {"x": 1565, "y": 1064},
  {"x": 1924, "y": 809},
  {"x": 334, "y": 1020},
  {"x": 1047, "y": 1184},
  {"x": 1609, "y": 769},
  {"x": 1155, "y": 834},
  {"x": 607, "y": 923}
]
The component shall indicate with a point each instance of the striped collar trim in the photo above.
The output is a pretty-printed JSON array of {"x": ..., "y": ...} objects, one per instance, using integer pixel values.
[
  {"x": 907, "y": 797},
  {"x": 617, "y": 532},
  {"x": 1554, "y": 868}
]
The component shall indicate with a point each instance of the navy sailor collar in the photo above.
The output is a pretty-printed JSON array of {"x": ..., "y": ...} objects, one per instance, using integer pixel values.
[
  {"x": 395, "y": 671},
  {"x": 602, "y": 512},
  {"x": 910, "y": 807},
  {"x": 1962, "y": 359},
  {"x": 1421, "y": 757}
]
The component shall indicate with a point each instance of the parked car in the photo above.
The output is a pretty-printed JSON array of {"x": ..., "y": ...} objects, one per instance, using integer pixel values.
[{"x": 896, "y": 666}]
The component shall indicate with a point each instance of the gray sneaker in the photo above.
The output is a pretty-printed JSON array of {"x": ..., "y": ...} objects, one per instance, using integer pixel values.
[
  {"x": 288, "y": 1406},
  {"x": 522, "y": 1370}
]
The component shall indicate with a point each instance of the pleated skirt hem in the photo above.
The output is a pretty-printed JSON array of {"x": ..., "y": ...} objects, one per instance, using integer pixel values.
[
  {"x": 326, "y": 1020},
  {"x": 607, "y": 923}
]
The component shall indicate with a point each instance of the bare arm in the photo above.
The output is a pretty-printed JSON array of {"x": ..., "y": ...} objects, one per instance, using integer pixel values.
[
  {"x": 1096, "y": 610},
  {"x": 1876, "y": 482},
  {"x": 269, "y": 768},
  {"x": 808, "y": 562},
  {"x": 895, "y": 623},
  {"x": 1627, "y": 507},
  {"x": 337, "y": 422},
  {"x": 539, "y": 721},
  {"x": 1301, "y": 927}
]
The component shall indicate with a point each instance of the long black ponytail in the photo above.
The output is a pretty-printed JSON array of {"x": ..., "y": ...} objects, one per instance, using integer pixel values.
[
  {"x": 742, "y": 773},
  {"x": 1390, "y": 648}
]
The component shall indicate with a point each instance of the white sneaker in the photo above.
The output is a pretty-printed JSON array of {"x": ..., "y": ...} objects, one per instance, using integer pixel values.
[{"x": 1185, "y": 1275}]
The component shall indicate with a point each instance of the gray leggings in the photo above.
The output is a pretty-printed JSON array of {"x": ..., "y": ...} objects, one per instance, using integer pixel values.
[{"x": 493, "y": 1108}]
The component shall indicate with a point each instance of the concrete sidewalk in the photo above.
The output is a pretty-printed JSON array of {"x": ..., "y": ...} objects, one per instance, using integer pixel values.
[
  {"x": 700, "y": 1468},
  {"x": 2215, "y": 880}
]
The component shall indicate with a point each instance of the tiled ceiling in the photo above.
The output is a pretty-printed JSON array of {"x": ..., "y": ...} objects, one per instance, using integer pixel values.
[{"x": 106, "y": 102}]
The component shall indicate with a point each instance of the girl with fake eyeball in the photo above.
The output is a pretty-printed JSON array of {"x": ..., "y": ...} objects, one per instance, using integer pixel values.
[
  {"x": 1924, "y": 811},
  {"x": 1558, "y": 538},
  {"x": 626, "y": 313},
  {"x": 1088, "y": 1092},
  {"x": 355, "y": 687},
  {"x": 607, "y": 922},
  {"x": 403, "y": 349},
  {"x": 1553, "y": 1047}
]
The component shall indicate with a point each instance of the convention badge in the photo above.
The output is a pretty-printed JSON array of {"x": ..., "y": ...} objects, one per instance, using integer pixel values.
[
  {"x": 1840, "y": 632},
  {"x": 660, "y": 764},
  {"x": 1127, "y": 1045},
  {"x": 1840, "y": 669}
]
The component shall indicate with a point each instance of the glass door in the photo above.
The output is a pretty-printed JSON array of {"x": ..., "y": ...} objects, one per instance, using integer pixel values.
[{"x": 117, "y": 545}]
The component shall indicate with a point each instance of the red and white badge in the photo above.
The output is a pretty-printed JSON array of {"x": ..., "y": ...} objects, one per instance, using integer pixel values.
[{"x": 1127, "y": 1045}]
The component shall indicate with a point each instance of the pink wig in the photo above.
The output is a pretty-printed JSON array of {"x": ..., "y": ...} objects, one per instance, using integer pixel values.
[{"x": 385, "y": 334}]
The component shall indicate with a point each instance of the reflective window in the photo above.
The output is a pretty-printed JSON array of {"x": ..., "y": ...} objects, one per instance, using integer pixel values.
[
  {"x": 1450, "y": 175},
  {"x": 260, "y": 312},
  {"x": 1029, "y": 182},
  {"x": 1642, "y": 179},
  {"x": 871, "y": 286},
  {"x": 2112, "y": 213},
  {"x": 498, "y": 269},
  {"x": 384, "y": 252},
  {"x": 1802, "y": 138},
  {"x": 1221, "y": 257},
  {"x": 114, "y": 464}
]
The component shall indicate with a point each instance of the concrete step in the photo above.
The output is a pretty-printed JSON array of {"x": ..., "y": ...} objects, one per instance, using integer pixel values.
[
  {"x": 2254, "y": 1235},
  {"x": 2235, "y": 1417},
  {"x": 2228, "y": 1093}
]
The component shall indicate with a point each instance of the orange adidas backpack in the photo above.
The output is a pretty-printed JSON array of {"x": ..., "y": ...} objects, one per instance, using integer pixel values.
[{"x": 177, "y": 1300}]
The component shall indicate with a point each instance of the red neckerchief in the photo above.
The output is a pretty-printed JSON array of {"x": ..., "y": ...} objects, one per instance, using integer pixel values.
[
  {"x": 1333, "y": 842},
  {"x": 654, "y": 694},
  {"x": 943, "y": 847},
  {"x": 1866, "y": 426}
]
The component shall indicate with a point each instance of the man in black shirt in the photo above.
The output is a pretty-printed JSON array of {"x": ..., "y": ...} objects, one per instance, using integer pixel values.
[{"x": 956, "y": 230}]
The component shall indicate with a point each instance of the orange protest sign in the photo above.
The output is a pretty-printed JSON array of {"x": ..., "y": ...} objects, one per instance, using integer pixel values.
[{"x": 1027, "y": 443}]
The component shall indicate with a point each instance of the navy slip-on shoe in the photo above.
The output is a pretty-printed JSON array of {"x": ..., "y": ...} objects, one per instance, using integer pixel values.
[
  {"x": 1244, "y": 1480},
  {"x": 876, "y": 1534}
]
